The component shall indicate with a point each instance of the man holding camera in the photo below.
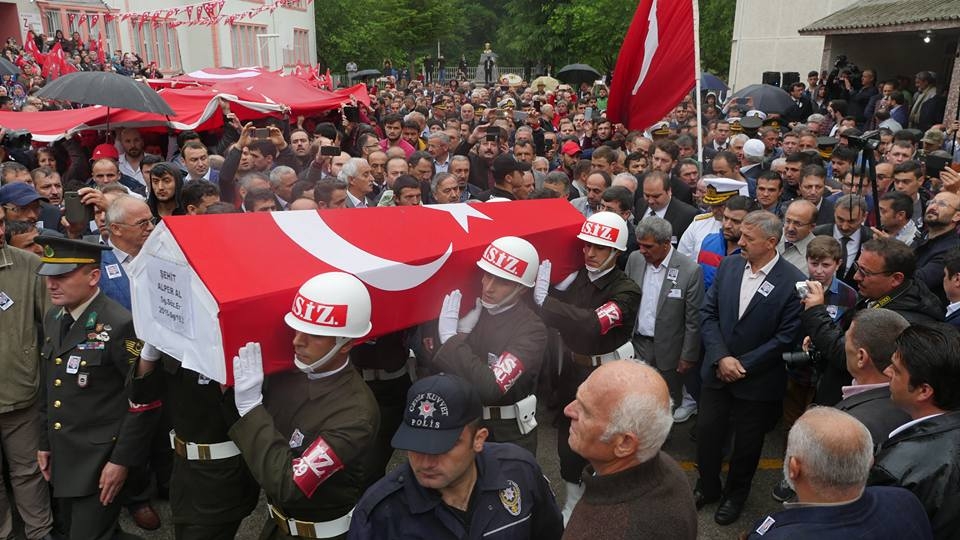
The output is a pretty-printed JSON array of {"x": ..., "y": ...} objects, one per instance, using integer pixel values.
[{"x": 884, "y": 273}]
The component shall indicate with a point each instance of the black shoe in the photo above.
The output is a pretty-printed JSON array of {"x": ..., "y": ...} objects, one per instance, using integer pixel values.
[
  {"x": 782, "y": 492},
  {"x": 702, "y": 500},
  {"x": 728, "y": 512}
]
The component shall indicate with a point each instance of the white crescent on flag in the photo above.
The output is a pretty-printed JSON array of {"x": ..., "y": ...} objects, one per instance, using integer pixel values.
[
  {"x": 309, "y": 230},
  {"x": 649, "y": 46}
]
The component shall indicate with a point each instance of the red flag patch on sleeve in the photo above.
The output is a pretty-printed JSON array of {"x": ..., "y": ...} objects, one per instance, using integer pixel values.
[
  {"x": 609, "y": 316},
  {"x": 318, "y": 463},
  {"x": 507, "y": 369}
]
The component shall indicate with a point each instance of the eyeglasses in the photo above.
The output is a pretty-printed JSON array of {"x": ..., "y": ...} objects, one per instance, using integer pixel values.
[
  {"x": 857, "y": 269},
  {"x": 941, "y": 204},
  {"x": 142, "y": 224}
]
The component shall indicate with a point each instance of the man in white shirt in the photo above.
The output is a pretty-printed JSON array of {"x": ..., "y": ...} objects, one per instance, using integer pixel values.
[{"x": 129, "y": 161}]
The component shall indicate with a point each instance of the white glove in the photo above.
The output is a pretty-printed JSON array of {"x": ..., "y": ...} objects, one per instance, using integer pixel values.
[
  {"x": 248, "y": 378},
  {"x": 149, "y": 353},
  {"x": 565, "y": 284},
  {"x": 466, "y": 324},
  {"x": 542, "y": 286},
  {"x": 449, "y": 316}
]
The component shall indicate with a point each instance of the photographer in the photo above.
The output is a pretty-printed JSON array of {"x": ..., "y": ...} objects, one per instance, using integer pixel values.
[{"x": 884, "y": 273}]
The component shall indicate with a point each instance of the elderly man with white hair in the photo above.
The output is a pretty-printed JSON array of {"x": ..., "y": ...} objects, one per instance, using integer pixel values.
[
  {"x": 828, "y": 458},
  {"x": 619, "y": 420},
  {"x": 626, "y": 180},
  {"x": 358, "y": 175}
]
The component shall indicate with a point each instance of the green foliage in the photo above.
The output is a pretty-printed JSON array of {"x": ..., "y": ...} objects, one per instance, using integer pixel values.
[
  {"x": 716, "y": 33},
  {"x": 554, "y": 32}
]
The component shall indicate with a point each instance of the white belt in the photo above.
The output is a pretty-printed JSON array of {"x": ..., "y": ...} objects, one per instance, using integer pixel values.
[
  {"x": 505, "y": 412},
  {"x": 311, "y": 529},
  {"x": 382, "y": 374},
  {"x": 202, "y": 452},
  {"x": 622, "y": 353}
]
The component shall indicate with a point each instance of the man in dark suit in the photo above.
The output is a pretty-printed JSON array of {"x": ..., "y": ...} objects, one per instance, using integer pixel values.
[
  {"x": 940, "y": 221},
  {"x": 667, "y": 331},
  {"x": 802, "y": 106},
  {"x": 951, "y": 286},
  {"x": 658, "y": 200},
  {"x": 870, "y": 343},
  {"x": 922, "y": 455},
  {"x": 827, "y": 460},
  {"x": 96, "y": 429},
  {"x": 812, "y": 188},
  {"x": 849, "y": 214},
  {"x": 750, "y": 317}
]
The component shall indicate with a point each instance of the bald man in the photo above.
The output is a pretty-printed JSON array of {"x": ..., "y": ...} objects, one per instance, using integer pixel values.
[
  {"x": 619, "y": 420},
  {"x": 827, "y": 461}
]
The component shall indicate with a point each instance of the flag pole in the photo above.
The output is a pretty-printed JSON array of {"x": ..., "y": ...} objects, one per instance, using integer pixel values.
[{"x": 696, "y": 54}]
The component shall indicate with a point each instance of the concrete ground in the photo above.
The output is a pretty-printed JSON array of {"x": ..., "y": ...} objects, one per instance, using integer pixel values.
[{"x": 679, "y": 446}]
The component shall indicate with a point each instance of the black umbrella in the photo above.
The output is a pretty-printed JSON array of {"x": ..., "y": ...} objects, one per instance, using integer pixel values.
[
  {"x": 709, "y": 81},
  {"x": 577, "y": 73},
  {"x": 7, "y": 68},
  {"x": 766, "y": 98},
  {"x": 107, "y": 89},
  {"x": 364, "y": 73}
]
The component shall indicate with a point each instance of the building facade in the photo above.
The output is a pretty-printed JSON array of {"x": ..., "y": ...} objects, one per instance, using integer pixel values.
[{"x": 281, "y": 35}]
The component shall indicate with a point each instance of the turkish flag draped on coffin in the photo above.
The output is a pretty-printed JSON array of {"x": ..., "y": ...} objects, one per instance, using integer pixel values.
[
  {"x": 655, "y": 67},
  {"x": 203, "y": 286}
]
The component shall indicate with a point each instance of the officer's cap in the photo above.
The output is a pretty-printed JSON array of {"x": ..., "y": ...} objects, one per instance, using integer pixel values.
[
  {"x": 438, "y": 407},
  {"x": 720, "y": 189},
  {"x": 63, "y": 255}
]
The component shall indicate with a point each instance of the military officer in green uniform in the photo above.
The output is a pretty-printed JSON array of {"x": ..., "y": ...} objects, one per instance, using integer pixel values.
[
  {"x": 499, "y": 345},
  {"x": 211, "y": 488},
  {"x": 594, "y": 310},
  {"x": 305, "y": 433},
  {"x": 95, "y": 428}
]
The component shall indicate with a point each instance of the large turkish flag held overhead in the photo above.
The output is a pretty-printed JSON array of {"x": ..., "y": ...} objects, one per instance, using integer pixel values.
[
  {"x": 203, "y": 286},
  {"x": 655, "y": 67}
]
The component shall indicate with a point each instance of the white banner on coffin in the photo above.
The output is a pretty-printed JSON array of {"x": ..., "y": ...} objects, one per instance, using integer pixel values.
[{"x": 172, "y": 308}]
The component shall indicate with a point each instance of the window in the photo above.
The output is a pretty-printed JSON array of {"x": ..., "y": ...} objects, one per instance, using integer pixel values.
[
  {"x": 157, "y": 44},
  {"x": 58, "y": 18},
  {"x": 295, "y": 4},
  {"x": 299, "y": 51},
  {"x": 243, "y": 41}
]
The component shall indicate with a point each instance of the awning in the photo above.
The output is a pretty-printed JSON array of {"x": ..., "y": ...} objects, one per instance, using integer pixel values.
[{"x": 889, "y": 16}]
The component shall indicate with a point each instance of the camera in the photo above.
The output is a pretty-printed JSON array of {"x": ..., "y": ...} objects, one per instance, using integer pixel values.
[
  {"x": 868, "y": 141},
  {"x": 802, "y": 289},
  {"x": 802, "y": 359},
  {"x": 17, "y": 138}
]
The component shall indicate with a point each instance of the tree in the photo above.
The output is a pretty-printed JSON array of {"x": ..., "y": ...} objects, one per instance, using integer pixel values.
[{"x": 716, "y": 16}]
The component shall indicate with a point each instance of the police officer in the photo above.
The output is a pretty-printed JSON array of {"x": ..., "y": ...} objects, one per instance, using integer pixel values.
[
  {"x": 594, "y": 310},
  {"x": 382, "y": 362},
  {"x": 498, "y": 345},
  {"x": 304, "y": 438},
  {"x": 211, "y": 488},
  {"x": 454, "y": 485},
  {"x": 96, "y": 429}
]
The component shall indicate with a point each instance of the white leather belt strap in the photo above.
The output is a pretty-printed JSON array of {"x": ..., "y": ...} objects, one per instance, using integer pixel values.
[
  {"x": 623, "y": 352},
  {"x": 311, "y": 529},
  {"x": 382, "y": 374},
  {"x": 202, "y": 452},
  {"x": 505, "y": 412}
]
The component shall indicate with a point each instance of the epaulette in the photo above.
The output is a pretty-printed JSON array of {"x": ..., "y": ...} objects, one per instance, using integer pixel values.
[{"x": 700, "y": 217}]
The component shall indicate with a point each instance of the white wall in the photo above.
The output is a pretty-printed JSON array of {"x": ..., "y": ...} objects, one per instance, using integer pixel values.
[{"x": 765, "y": 38}]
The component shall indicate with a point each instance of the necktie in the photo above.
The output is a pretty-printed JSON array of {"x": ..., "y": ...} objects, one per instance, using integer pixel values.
[
  {"x": 652, "y": 213},
  {"x": 787, "y": 245},
  {"x": 66, "y": 321},
  {"x": 843, "y": 256}
]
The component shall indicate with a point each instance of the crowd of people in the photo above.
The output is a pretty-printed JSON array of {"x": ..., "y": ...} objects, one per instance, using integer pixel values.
[
  {"x": 801, "y": 269},
  {"x": 18, "y": 88}
]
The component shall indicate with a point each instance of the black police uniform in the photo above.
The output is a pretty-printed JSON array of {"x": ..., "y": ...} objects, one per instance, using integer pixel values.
[
  {"x": 511, "y": 500},
  {"x": 501, "y": 357},
  {"x": 382, "y": 362},
  {"x": 593, "y": 318}
]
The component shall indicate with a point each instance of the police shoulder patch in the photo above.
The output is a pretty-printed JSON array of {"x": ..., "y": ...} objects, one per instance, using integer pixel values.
[
  {"x": 510, "y": 498},
  {"x": 133, "y": 346}
]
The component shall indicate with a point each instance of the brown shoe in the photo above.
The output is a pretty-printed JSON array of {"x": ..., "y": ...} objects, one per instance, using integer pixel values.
[{"x": 145, "y": 517}]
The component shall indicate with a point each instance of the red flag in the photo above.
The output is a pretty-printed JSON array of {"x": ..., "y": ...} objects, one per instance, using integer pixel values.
[
  {"x": 54, "y": 60},
  {"x": 67, "y": 67},
  {"x": 101, "y": 52},
  {"x": 31, "y": 47},
  {"x": 202, "y": 309},
  {"x": 655, "y": 68}
]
